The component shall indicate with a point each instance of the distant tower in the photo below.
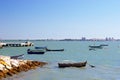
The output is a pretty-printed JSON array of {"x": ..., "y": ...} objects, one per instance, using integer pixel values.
[
  {"x": 112, "y": 38},
  {"x": 106, "y": 39},
  {"x": 83, "y": 38}
]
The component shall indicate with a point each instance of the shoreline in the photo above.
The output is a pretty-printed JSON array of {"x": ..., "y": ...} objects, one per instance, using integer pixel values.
[{"x": 10, "y": 67}]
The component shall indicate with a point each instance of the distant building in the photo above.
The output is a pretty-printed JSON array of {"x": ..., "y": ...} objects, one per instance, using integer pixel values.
[
  {"x": 83, "y": 38},
  {"x": 109, "y": 39}
]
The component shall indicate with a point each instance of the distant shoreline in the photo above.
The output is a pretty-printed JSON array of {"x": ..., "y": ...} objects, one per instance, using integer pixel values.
[{"x": 59, "y": 40}]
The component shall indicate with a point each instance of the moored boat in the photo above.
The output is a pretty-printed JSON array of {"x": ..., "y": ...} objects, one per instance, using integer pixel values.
[
  {"x": 40, "y": 47},
  {"x": 78, "y": 64},
  {"x": 104, "y": 45},
  {"x": 46, "y": 49},
  {"x": 17, "y": 56},
  {"x": 35, "y": 51},
  {"x": 54, "y": 49},
  {"x": 95, "y": 46}
]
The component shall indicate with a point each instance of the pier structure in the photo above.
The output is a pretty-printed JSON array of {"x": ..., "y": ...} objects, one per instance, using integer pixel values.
[
  {"x": 13, "y": 44},
  {"x": 1, "y": 44}
]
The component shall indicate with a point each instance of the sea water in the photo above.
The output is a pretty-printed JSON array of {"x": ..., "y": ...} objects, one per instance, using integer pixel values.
[{"x": 106, "y": 61}]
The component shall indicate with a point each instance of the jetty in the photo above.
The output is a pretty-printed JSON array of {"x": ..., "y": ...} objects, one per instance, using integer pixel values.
[
  {"x": 15, "y": 44},
  {"x": 10, "y": 67}
]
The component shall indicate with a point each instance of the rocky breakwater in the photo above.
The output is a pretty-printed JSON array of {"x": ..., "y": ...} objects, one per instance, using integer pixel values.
[{"x": 9, "y": 67}]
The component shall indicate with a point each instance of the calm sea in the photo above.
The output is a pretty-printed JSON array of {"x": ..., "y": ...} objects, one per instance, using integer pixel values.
[{"x": 106, "y": 61}]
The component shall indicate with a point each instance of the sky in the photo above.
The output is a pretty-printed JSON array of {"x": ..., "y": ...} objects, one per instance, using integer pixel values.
[{"x": 59, "y": 19}]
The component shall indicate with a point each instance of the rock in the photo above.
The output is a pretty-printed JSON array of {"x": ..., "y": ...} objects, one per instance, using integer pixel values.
[{"x": 9, "y": 67}]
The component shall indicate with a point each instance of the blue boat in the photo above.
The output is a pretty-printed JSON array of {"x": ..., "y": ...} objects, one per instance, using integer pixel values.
[
  {"x": 40, "y": 47},
  {"x": 35, "y": 51}
]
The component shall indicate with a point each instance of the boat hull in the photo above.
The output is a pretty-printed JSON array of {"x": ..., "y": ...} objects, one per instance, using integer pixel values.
[
  {"x": 46, "y": 49},
  {"x": 80, "y": 64},
  {"x": 35, "y": 51},
  {"x": 17, "y": 56},
  {"x": 99, "y": 47},
  {"x": 55, "y": 50}
]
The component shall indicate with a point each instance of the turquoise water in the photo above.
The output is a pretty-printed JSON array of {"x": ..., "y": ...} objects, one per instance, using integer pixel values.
[{"x": 106, "y": 61}]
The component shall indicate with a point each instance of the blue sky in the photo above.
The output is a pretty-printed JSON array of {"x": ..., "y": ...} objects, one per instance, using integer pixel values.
[{"x": 59, "y": 19}]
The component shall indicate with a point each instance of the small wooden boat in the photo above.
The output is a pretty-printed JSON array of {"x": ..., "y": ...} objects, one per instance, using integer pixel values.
[
  {"x": 54, "y": 49},
  {"x": 40, "y": 47},
  {"x": 45, "y": 48},
  {"x": 99, "y": 46},
  {"x": 79, "y": 64},
  {"x": 35, "y": 51},
  {"x": 17, "y": 56},
  {"x": 104, "y": 45}
]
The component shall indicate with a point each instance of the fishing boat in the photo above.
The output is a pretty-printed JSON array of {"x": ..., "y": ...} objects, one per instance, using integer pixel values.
[
  {"x": 40, "y": 47},
  {"x": 17, "y": 56},
  {"x": 54, "y": 49},
  {"x": 104, "y": 45},
  {"x": 78, "y": 64},
  {"x": 46, "y": 49},
  {"x": 35, "y": 51},
  {"x": 96, "y": 46}
]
